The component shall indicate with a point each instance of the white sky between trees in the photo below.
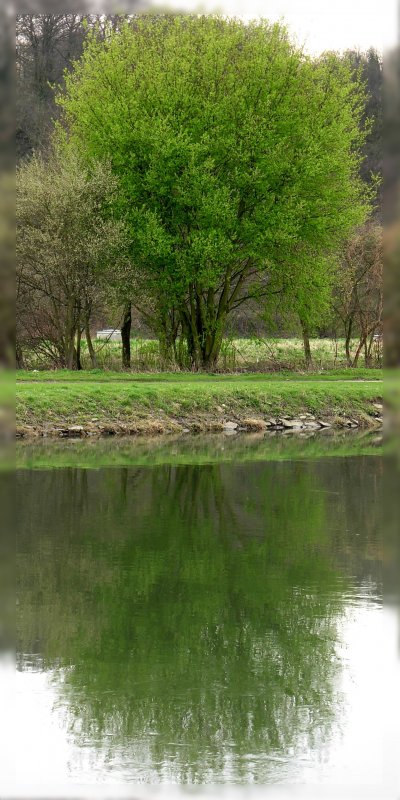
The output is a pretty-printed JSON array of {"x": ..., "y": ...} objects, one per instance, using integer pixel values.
[{"x": 317, "y": 25}]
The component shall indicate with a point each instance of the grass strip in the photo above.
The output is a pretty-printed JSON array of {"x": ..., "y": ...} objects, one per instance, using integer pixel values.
[{"x": 79, "y": 401}]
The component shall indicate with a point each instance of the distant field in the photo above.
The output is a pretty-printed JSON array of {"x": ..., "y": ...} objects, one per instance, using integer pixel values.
[{"x": 249, "y": 354}]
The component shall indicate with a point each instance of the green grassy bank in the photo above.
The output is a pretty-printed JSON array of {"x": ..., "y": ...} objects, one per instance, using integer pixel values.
[{"x": 103, "y": 402}]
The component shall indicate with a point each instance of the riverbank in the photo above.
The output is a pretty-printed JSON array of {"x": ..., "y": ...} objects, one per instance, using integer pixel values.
[{"x": 70, "y": 405}]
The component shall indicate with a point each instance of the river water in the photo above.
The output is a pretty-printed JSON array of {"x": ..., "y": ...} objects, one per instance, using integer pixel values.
[{"x": 213, "y": 622}]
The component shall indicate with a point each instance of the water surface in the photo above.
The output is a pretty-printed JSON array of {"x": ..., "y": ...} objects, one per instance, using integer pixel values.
[{"x": 201, "y": 622}]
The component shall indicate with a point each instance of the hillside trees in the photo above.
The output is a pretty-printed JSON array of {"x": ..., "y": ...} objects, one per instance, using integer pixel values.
[
  {"x": 67, "y": 242},
  {"x": 46, "y": 46},
  {"x": 368, "y": 67},
  {"x": 237, "y": 158}
]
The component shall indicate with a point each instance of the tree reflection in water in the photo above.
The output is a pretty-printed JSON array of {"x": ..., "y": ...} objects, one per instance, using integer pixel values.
[{"x": 195, "y": 607}]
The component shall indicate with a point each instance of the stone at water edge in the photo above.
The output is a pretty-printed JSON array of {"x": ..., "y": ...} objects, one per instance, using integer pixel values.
[
  {"x": 253, "y": 424},
  {"x": 312, "y": 426},
  {"x": 72, "y": 430},
  {"x": 230, "y": 426}
]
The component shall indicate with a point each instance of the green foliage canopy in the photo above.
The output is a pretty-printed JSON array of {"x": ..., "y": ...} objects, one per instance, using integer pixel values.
[{"x": 238, "y": 159}]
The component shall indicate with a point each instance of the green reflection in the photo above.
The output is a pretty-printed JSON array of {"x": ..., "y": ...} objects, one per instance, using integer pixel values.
[
  {"x": 196, "y": 608},
  {"x": 181, "y": 450}
]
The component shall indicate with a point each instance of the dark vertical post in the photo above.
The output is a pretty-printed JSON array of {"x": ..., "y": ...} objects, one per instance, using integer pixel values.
[{"x": 126, "y": 336}]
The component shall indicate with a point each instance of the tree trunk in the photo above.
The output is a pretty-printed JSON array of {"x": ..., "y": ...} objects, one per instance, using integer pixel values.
[
  {"x": 185, "y": 354},
  {"x": 69, "y": 335},
  {"x": 92, "y": 354},
  {"x": 70, "y": 350},
  {"x": 166, "y": 347},
  {"x": 354, "y": 363},
  {"x": 167, "y": 334},
  {"x": 370, "y": 349},
  {"x": 366, "y": 354},
  {"x": 363, "y": 339},
  {"x": 347, "y": 342},
  {"x": 306, "y": 342},
  {"x": 213, "y": 343},
  {"x": 77, "y": 352},
  {"x": 126, "y": 336},
  {"x": 206, "y": 355},
  {"x": 203, "y": 321},
  {"x": 19, "y": 356}
]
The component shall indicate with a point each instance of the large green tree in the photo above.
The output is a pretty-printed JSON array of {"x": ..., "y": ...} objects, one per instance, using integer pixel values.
[{"x": 238, "y": 158}]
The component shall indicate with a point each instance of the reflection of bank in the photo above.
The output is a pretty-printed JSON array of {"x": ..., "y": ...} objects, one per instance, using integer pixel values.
[{"x": 198, "y": 608}]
